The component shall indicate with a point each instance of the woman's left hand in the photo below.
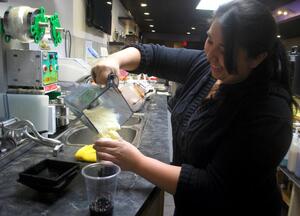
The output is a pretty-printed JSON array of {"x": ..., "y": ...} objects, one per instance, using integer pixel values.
[{"x": 120, "y": 152}]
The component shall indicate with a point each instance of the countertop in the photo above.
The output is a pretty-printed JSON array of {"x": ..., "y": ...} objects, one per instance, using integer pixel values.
[
  {"x": 132, "y": 193},
  {"x": 290, "y": 175}
]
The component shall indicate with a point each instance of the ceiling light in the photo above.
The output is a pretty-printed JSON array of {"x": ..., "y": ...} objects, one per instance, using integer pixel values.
[
  {"x": 149, "y": 20},
  {"x": 153, "y": 30},
  {"x": 278, "y": 36},
  {"x": 144, "y": 5},
  {"x": 108, "y": 2},
  {"x": 147, "y": 14},
  {"x": 188, "y": 33},
  {"x": 193, "y": 28},
  {"x": 210, "y": 4},
  {"x": 284, "y": 12},
  {"x": 151, "y": 26}
]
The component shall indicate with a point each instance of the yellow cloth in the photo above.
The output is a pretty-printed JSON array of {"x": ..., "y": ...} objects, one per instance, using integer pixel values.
[{"x": 86, "y": 153}]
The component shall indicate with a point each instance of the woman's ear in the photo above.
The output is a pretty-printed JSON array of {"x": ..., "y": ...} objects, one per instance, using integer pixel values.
[{"x": 254, "y": 62}]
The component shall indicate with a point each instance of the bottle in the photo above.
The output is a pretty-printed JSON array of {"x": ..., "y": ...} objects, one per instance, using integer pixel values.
[
  {"x": 115, "y": 35},
  {"x": 297, "y": 166},
  {"x": 293, "y": 152}
]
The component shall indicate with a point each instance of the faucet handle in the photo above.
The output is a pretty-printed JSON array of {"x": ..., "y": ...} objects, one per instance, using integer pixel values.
[
  {"x": 58, "y": 148},
  {"x": 36, "y": 137}
]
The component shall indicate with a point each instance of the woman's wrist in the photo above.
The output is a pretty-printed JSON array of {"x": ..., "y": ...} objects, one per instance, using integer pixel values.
[{"x": 139, "y": 163}]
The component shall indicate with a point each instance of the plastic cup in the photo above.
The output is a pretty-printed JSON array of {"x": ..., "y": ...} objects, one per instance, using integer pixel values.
[{"x": 101, "y": 184}]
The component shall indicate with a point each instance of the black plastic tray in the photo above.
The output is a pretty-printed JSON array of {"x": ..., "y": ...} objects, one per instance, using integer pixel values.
[{"x": 49, "y": 175}]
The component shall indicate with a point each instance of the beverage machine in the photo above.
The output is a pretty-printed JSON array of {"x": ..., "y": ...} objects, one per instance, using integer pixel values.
[{"x": 27, "y": 75}]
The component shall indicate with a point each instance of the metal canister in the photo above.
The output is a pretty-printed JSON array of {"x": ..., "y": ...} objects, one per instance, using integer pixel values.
[{"x": 62, "y": 113}]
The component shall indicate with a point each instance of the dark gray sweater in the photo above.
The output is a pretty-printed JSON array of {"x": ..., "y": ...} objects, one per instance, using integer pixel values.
[{"x": 230, "y": 146}]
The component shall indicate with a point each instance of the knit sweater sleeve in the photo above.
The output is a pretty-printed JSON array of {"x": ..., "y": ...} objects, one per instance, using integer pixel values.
[{"x": 174, "y": 64}]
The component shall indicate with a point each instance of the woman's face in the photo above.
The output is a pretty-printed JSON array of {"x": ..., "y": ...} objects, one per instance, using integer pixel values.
[{"x": 214, "y": 49}]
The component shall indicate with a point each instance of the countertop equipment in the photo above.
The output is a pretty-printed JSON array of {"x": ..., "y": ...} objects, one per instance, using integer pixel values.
[
  {"x": 30, "y": 107},
  {"x": 73, "y": 69},
  {"x": 27, "y": 75},
  {"x": 61, "y": 112},
  {"x": 89, "y": 97},
  {"x": 32, "y": 69},
  {"x": 49, "y": 175}
]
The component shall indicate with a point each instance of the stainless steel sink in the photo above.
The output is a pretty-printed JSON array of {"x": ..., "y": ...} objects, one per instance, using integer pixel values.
[
  {"x": 133, "y": 121},
  {"x": 83, "y": 135},
  {"x": 80, "y": 135}
]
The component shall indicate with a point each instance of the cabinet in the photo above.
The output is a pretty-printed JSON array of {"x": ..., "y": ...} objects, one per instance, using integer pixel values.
[{"x": 154, "y": 204}]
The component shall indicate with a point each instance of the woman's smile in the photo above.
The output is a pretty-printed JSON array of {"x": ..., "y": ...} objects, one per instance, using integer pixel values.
[{"x": 216, "y": 69}]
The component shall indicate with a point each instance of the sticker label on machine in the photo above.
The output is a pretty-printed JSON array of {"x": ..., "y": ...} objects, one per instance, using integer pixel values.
[{"x": 50, "y": 68}]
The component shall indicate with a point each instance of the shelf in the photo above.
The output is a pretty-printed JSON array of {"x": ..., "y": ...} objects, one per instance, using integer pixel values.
[
  {"x": 116, "y": 43},
  {"x": 126, "y": 20},
  {"x": 129, "y": 24},
  {"x": 132, "y": 39},
  {"x": 132, "y": 36},
  {"x": 291, "y": 176}
]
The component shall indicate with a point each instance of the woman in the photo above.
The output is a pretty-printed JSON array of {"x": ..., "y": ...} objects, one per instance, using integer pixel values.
[{"x": 231, "y": 119}]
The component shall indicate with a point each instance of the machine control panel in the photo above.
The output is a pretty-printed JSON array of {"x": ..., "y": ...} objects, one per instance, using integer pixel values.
[
  {"x": 31, "y": 68},
  {"x": 50, "y": 68}
]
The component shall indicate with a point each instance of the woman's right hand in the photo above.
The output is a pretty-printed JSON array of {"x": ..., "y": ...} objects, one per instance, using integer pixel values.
[
  {"x": 103, "y": 68},
  {"x": 120, "y": 152}
]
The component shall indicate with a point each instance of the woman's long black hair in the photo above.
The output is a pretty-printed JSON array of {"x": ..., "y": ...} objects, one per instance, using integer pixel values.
[{"x": 251, "y": 26}]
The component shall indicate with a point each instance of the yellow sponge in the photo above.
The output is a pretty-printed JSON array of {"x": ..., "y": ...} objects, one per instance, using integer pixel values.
[{"x": 86, "y": 153}]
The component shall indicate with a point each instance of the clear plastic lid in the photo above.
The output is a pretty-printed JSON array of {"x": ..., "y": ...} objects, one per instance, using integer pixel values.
[{"x": 99, "y": 108}]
